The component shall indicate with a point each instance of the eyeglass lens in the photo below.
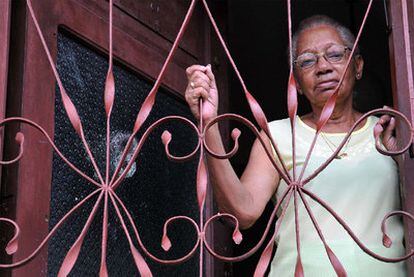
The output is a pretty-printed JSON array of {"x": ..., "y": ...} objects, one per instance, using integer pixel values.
[{"x": 333, "y": 54}]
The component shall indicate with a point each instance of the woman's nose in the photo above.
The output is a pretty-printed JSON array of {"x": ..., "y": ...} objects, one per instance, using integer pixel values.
[{"x": 322, "y": 66}]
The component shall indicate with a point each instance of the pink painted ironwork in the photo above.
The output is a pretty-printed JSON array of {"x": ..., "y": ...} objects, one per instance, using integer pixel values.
[{"x": 105, "y": 192}]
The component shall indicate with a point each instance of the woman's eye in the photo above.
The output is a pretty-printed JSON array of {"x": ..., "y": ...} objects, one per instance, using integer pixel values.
[
  {"x": 307, "y": 62},
  {"x": 334, "y": 56}
]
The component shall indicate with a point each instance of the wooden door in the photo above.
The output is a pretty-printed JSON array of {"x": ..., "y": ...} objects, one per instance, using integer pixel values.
[
  {"x": 76, "y": 32},
  {"x": 401, "y": 48},
  {"x": 5, "y": 7}
]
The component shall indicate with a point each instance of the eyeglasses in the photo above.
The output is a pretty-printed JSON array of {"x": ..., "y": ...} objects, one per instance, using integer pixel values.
[{"x": 334, "y": 54}]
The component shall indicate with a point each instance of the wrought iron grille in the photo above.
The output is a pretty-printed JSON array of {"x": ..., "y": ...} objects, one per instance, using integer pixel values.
[
  {"x": 104, "y": 186},
  {"x": 155, "y": 191}
]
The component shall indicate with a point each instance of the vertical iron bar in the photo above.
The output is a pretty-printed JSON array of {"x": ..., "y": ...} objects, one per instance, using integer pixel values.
[{"x": 387, "y": 23}]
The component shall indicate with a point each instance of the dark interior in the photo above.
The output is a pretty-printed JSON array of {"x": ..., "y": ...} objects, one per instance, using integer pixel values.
[
  {"x": 258, "y": 39},
  {"x": 144, "y": 191}
]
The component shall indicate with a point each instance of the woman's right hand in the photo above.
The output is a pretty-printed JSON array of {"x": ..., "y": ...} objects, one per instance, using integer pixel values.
[
  {"x": 246, "y": 198},
  {"x": 202, "y": 85}
]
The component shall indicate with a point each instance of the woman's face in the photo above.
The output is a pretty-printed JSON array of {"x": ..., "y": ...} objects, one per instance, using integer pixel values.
[{"x": 319, "y": 81}]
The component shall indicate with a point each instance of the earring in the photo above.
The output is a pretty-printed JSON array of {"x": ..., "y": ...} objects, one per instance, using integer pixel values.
[{"x": 358, "y": 76}]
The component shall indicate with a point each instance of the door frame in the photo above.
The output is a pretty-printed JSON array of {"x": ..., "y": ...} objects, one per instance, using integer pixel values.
[
  {"x": 5, "y": 7},
  {"x": 403, "y": 95}
]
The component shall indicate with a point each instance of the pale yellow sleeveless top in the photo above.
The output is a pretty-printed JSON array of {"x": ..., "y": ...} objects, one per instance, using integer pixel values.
[{"x": 362, "y": 188}]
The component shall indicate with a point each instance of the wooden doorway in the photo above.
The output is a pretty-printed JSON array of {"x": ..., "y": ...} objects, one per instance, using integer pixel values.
[{"x": 76, "y": 32}]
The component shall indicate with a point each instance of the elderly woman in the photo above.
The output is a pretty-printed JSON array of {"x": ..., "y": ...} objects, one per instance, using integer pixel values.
[{"x": 361, "y": 185}]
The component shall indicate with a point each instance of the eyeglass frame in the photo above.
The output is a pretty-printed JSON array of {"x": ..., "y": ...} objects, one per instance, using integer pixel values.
[{"x": 323, "y": 54}]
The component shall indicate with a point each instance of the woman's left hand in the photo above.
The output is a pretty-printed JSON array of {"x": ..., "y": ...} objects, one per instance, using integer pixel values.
[{"x": 386, "y": 126}]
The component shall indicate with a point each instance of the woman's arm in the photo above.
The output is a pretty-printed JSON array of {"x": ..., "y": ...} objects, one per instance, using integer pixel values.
[{"x": 246, "y": 197}]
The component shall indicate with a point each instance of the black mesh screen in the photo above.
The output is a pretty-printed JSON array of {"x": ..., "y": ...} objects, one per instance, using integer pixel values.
[{"x": 156, "y": 189}]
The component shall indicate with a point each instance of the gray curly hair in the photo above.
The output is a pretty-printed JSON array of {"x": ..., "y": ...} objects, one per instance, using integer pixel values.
[{"x": 320, "y": 20}]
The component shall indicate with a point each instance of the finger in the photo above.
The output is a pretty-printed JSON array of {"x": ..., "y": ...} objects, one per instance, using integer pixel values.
[
  {"x": 193, "y": 100},
  {"x": 200, "y": 92},
  {"x": 199, "y": 75},
  {"x": 378, "y": 130},
  {"x": 388, "y": 133},
  {"x": 189, "y": 97},
  {"x": 209, "y": 73},
  {"x": 384, "y": 119},
  {"x": 201, "y": 83},
  {"x": 193, "y": 94},
  {"x": 190, "y": 70}
]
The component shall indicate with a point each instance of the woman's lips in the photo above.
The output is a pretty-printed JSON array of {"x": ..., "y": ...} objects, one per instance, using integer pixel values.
[{"x": 327, "y": 85}]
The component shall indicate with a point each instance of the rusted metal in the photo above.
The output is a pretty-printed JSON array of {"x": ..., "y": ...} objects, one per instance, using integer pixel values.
[
  {"x": 106, "y": 185},
  {"x": 403, "y": 101},
  {"x": 5, "y": 6}
]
